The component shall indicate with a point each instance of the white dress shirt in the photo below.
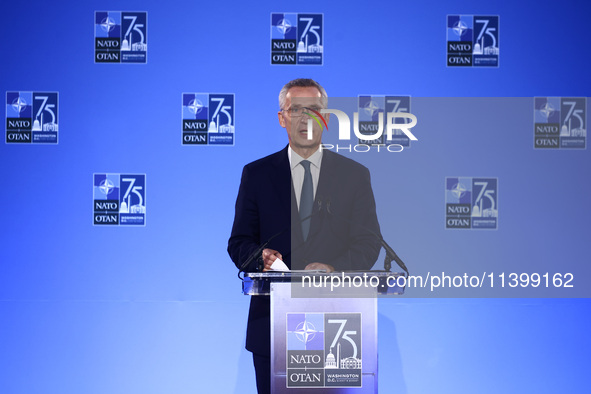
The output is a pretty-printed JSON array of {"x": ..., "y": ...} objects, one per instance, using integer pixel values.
[{"x": 297, "y": 171}]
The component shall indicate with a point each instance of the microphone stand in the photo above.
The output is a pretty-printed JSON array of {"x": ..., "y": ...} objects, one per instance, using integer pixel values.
[{"x": 258, "y": 251}]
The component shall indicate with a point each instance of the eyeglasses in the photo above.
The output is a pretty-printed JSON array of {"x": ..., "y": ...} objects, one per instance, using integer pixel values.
[{"x": 296, "y": 112}]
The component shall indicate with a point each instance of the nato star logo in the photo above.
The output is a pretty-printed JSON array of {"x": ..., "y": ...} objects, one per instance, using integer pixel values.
[
  {"x": 284, "y": 26},
  {"x": 108, "y": 24},
  {"x": 371, "y": 108},
  {"x": 305, "y": 331},
  {"x": 106, "y": 187},
  {"x": 547, "y": 110},
  {"x": 19, "y": 105},
  {"x": 458, "y": 190},
  {"x": 459, "y": 28},
  {"x": 195, "y": 106}
]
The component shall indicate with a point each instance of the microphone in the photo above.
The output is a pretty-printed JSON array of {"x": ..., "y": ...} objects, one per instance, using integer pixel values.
[
  {"x": 390, "y": 253},
  {"x": 257, "y": 253}
]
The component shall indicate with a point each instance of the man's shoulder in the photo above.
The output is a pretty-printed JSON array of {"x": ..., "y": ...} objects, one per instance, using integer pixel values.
[
  {"x": 341, "y": 162},
  {"x": 268, "y": 162}
]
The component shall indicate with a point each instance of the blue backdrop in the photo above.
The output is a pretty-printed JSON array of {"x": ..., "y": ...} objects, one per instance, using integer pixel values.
[{"x": 158, "y": 309}]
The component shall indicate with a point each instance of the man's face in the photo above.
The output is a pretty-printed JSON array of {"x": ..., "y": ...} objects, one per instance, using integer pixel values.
[{"x": 297, "y": 124}]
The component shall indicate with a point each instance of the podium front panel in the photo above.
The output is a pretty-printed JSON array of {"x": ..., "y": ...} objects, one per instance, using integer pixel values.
[{"x": 322, "y": 345}]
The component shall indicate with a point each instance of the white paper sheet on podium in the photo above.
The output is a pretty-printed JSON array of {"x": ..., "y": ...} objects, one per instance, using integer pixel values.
[{"x": 279, "y": 265}]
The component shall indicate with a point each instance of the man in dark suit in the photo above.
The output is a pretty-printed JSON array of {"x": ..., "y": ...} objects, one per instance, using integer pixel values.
[{"x": 316, "y": 207}]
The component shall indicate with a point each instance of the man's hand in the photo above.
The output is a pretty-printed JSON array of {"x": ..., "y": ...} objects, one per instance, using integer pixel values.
[
  {"x": 320, "y": 266},
  {"x": 269, "y": 256}
]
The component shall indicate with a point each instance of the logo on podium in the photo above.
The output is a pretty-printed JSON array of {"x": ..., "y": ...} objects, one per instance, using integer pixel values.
[
  {"x": 471, "y": 203},
  {"x": 32, "y": 117},
  {"x": 324, "y": 350},
  {"x": 297, "y": 38},
  {"x": 560, "y": 122},
  {"x": 119, "y": 199},
  {"x": 208, "y": 119}
]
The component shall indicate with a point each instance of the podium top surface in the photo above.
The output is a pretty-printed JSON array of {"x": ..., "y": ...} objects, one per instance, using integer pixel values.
[
  {"x": 279, "y": 275},
  {"x": 383, "y": 282}
]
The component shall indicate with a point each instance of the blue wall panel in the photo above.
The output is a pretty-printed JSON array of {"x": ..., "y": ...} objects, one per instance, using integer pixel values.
[{"x": 158, "y": 309}]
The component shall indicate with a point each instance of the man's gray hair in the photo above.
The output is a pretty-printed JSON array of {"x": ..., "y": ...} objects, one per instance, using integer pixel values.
[{"x": 302, "y": 83}]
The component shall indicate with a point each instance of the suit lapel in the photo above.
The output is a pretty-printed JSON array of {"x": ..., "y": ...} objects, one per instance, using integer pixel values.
[
  {"x": 283, "y": 186},
  {"x": 325, "y": 187},
  {"x": 281, "y": 179}
]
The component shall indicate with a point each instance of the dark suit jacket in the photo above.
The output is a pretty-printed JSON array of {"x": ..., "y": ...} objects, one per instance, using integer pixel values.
[{"x": 266, "y": 207}]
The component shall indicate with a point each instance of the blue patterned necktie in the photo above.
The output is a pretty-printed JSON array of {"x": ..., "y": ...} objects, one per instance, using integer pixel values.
[{"x": 306, "y": 198}]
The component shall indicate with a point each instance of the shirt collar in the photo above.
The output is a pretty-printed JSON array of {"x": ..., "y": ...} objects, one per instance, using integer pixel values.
[{"x": 295, "y": 159}]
